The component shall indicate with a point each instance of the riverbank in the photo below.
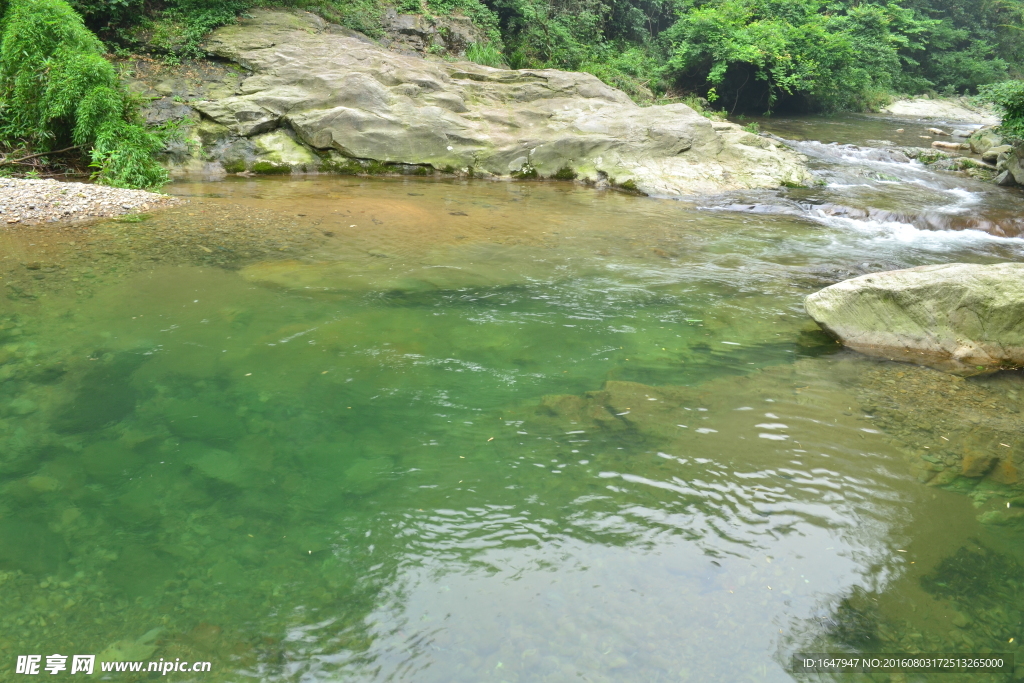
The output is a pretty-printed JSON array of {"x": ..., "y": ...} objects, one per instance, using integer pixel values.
[
  {"x": 956, "y": 109},
  {"x": 48, "y": 201}
]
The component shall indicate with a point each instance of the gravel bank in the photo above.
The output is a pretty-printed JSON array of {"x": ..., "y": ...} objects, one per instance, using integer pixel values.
[{"x": 48, "y": 201}]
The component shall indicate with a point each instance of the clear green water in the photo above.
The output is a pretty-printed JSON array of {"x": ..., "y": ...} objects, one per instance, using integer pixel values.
[{"x": 338, "y": 429}]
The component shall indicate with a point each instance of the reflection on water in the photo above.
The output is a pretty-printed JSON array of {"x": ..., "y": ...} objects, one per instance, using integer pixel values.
[{"x": 345, "y": 429}]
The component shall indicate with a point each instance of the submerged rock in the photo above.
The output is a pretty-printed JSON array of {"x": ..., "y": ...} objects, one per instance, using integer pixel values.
[
  {"x": 357, "y": 106},
  {"x": 30, "y": 547},
  {"x": 131, "y": 650},
  {"x": 105, "y": 394},
  {"x": 219, "y": 465},
  {"x": 202, "y": 421},
  {"x": 955, "y": 316}
]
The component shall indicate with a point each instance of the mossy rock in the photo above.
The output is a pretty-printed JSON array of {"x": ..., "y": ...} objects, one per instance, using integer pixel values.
[
  {"x": 341, "y": 166},
  {"x": 527, "y": 172},
  {"x": 630, "y": 187},
  {"x": 565, "y": 173},
  {"x": 234, "y": 166},
  {"x": 271, "y": 168},
  {"x": 366, "y": 475}
]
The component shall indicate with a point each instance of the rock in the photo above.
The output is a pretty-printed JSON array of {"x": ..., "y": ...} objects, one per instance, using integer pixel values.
[
  {"x": 338, "y": 92},
  {"x": 210, "y": 132},
  {"x": 960, "y": 620},
  {"x": 201, "y": 421},
  {"x": 960, "y": 110},
  {"x": 366, "y": 475},
  {"x": 954, "y": 316},
  {"x": 240, "y": 115},
  {"x": 1004, "y": 472},
  {"x": 104, "y": 395},
  {"x": 218, "y": 465},
  {"x": 22, "y": 406},
  {"x": 976, "y": 464},
  {"x": 937, "y": 131},
  {"x": 279, "y": 150},
  {"x": 30, "y": 547},
  {"x": 960, "y": 133},
  {"x": 983, "y": 140},
  {"x": 109, "y": 460},
  {"x": 138, "y": 571},
  {"x": 1005, "y": 179},
  {"x": 943, "y": 478},
  {"x": 1015, "y": 164},
  {"x": 992, "y": 153},
  {"x": 130, "y": 650},
  {"x": 420, "y": 33},
  {"x": 137, "y": 506},
  {"x": 1001, "y": 517},
  {"x": 949, "y": 145}
]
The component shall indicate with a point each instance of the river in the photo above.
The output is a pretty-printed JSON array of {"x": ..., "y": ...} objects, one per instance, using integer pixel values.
[{"x": 334, "y": 428}]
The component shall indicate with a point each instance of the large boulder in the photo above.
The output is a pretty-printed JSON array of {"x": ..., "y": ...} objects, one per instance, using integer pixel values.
[
  {"x": 956, "y": 316},
  {"x": 343, "y": 94},
  {"x": 984, "y": 139},
  {"x": 1015, "y": 163}
]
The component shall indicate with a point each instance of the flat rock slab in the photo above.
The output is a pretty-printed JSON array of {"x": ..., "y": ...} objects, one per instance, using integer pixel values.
[
  {"x": 948, "y": 110},
  {"x": 959, "y": 317},
  {"x": 346, "y": 96}
]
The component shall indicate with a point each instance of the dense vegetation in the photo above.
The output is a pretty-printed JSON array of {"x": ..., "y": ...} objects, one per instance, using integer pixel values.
[
  {"x": 58, "y": 93},
  {"x": 1009, "y": 99}
]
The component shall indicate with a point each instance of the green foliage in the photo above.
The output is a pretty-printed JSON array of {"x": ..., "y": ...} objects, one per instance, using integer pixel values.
[
  {"x": 703, "y": 107},
  {"x": 633, "y": 70},
  {"x": 482, "y": 15},
  {"x": 57, "y": 91},
  {"x": 1009, "y": 98},
  {"x": 485, "y": 54},
  {"x": 970, "y": 43},
  {"x": 828, "y": 56}
]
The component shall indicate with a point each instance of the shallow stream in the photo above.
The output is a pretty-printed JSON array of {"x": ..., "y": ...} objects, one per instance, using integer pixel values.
[{"x": 330, "y": 428}]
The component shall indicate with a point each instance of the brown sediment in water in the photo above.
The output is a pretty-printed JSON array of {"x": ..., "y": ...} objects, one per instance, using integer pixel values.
[{"x": 952, "y": 427}]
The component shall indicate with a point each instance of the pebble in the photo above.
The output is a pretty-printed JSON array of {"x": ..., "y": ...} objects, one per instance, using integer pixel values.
[{"x": 47, "y": 201}]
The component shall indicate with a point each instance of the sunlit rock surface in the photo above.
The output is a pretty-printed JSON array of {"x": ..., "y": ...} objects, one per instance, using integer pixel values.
[
  {"x": 957, "y": 316},
  {"x": 349, "y": 100}
]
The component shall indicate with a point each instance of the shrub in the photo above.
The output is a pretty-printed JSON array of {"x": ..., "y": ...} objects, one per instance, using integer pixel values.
[
  {"x": 1008, "y": 96},
  {"x": 57, "y": 91},
  {"x": 485, "y": 54}
]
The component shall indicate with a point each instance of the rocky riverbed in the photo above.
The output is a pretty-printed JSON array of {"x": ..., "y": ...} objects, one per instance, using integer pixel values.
[{"x": 48, "y": 201}]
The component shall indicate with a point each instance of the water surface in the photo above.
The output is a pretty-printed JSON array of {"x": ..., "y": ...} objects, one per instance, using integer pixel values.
[{"x": 355, "y": 429}]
